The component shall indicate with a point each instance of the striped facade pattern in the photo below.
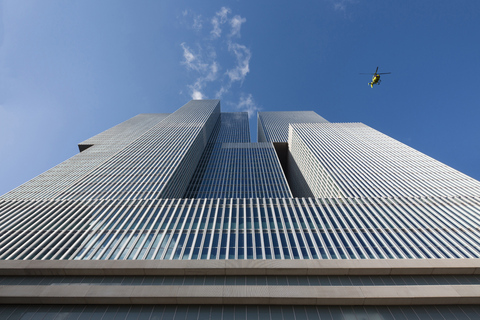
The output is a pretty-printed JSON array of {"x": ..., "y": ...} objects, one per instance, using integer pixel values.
[
  {"x": 126, "y": 131},
  {"x": 159, "y": 164},
  {"x": 273, "y": 126},
  {"x": 315, "y": 213},
  {"x": 239, "y": 170},
  {"x": 232, "y": 167},
  {"x": 102, "y": 147},
  {"x": 190, "y": 185},
  {"x": 307, "y": 176},
  {"x": 231, "y": 127},
  {"x": 190, "y": 229},
  {"x": 362, "y": 162}
]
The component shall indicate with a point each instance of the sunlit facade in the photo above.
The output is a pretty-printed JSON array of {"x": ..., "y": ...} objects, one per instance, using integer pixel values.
[{"x": 167, "y": 216}]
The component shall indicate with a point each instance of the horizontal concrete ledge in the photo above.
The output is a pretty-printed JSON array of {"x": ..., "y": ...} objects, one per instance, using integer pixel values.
[
  {"x": 288, "y": 295},
  {"x": 239, "y": 267}
]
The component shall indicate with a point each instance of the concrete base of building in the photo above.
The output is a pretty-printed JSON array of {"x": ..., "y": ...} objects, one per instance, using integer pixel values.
[{"x": 91, "y": 293}]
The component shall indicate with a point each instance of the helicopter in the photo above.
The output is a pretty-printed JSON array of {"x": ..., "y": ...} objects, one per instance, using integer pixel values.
[{"x": 376, "y": 77}]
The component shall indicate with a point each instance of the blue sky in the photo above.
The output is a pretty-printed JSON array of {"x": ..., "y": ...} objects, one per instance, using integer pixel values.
[{"x": 71, "y": 69}]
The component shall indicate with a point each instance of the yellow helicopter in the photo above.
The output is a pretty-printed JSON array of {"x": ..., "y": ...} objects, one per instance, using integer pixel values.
[{"x": 376, "y": 77}]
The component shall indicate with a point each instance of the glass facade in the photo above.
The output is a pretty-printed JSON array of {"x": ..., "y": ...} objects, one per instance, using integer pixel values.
[
  {"x": 232, "y": 167},
  {"x": 191, "y": 229},
  {"x": 239, "y": 170},
  {"x": 190, "y": 185}
]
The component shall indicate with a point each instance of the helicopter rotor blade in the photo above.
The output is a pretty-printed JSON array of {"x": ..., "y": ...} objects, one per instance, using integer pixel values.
[
  {"x": 376, "y": 70},
  {"x": 384, "y": 73},
  {"x": 366, "y": 73}
]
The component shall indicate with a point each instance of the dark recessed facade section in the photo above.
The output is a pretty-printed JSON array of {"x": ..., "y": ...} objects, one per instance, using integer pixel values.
[
  {"x": 282, "y": 153},
  {"x": 83, "y": 147}
]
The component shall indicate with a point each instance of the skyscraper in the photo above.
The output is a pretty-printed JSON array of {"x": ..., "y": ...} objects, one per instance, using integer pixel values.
[{"x": 174, "y": 216}]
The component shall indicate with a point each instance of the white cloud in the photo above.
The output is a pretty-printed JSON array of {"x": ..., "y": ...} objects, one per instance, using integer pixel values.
[
  {"x": 213, "y": 71},
  {"x": 191, "y": 20},
  {"x": 341, "y": 5},
  {"x": 197, "y": 23},
  {"x": 197, "y": 95},
  {"x": 188, "y": 55},
  {"x": 236, "y": 23},
  {"x": 196, "y": 89},
  {"x": 247, "y": 104},
  {"x": 192, "y": 60},
  {"x": 216, "y": 28},
  {"x": 224, "y": 89},
  {"x": 242, "y": 55},
  {"x": 219, "y": 19},
  {"x": 222, "y": 14},
  {"x": 209, "y": 75},
  {"x": 206, "y": 68}
]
